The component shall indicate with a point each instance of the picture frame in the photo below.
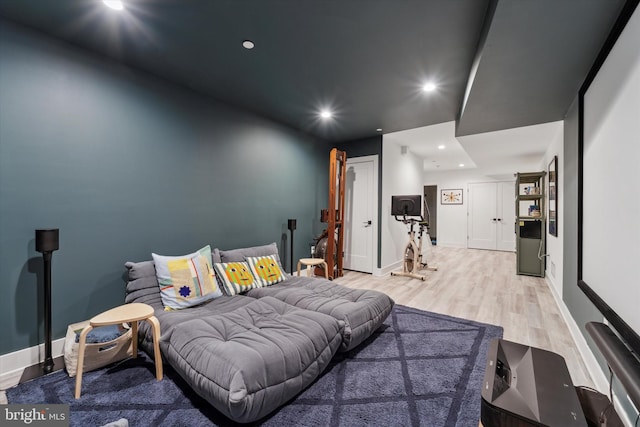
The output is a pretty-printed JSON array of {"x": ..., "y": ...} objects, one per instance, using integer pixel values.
[
  {"x": 451, "y": 196},
  {"x": 552, "y": 173}
]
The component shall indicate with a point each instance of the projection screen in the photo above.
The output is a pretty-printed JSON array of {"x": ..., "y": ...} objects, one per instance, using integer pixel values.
[{"x": 611, "y": 178}]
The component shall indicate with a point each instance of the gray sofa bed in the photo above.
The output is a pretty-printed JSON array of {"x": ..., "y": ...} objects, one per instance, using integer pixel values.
[
  {"x": 249, "y": 354},
  {"x": 245, "y": 356},
  {"x": 361, "y": 310}
]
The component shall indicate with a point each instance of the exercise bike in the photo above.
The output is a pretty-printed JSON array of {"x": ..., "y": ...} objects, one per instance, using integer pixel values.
[{"x": 414, "y": 260}]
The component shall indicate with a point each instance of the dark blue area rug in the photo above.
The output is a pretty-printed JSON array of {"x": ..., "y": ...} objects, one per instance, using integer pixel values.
[{"x": 418, "y": 369}]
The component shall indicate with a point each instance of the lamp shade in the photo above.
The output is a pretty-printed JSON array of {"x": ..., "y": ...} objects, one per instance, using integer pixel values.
[
  {"x": 292, "y": 224},
  {"x": 47, "y": 240}
]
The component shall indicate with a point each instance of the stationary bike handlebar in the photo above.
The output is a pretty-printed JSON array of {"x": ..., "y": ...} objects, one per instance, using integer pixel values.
[{"x": 411, "y": 220}]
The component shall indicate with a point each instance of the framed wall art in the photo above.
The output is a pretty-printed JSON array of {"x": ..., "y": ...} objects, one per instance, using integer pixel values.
[{"x": 451, "y": 197}]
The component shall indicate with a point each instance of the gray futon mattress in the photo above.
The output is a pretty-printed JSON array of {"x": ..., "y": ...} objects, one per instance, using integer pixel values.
[
  {"x": 361, "y": 310},
  {"x": 245, "y": 356}
]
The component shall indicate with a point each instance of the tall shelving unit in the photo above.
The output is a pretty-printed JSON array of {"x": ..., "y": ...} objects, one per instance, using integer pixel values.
[{"x": 530, "y": 223}]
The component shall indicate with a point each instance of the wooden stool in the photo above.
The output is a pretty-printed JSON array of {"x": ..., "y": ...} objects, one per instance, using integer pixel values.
[
  {"x": 309, "y": 262},
  {"x": 128, "y": 313}
]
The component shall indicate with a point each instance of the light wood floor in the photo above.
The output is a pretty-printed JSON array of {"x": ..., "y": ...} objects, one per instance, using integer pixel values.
[{"x": 483, "y": 286}]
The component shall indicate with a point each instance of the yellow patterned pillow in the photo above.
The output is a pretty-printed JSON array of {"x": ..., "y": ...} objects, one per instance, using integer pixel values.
[
  {"x": 266, "y": 269},
  {"x": 186, "y": 280},
  {"x": 235, "y": 277}
]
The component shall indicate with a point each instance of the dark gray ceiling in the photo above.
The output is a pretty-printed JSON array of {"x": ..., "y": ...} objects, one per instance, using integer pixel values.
[{"x": 521, "y": 61}]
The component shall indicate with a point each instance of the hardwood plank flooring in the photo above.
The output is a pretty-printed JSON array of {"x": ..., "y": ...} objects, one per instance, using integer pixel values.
[{"x": 483, "y": 286}]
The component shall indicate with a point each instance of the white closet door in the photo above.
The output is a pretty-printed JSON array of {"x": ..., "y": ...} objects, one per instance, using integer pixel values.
[
  {"x": 491, "y": 216},
  {"x": 481, "y": 216},
  {"x": 360, "y": 201}
]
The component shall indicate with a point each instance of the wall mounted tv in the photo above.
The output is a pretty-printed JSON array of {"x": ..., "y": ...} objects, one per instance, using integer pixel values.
[{"x": 406, "y": 205}]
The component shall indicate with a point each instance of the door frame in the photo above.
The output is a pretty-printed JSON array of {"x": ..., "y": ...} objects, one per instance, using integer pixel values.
[{"x": 375, "y": 250}]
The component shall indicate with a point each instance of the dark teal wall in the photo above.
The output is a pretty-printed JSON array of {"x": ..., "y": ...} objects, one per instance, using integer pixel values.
[
  {"x": 126, "y": 164},
  {"x": 581, "y": 308}
]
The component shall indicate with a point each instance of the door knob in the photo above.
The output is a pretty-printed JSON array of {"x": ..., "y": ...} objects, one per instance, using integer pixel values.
[{"x": 367, "y": 223}]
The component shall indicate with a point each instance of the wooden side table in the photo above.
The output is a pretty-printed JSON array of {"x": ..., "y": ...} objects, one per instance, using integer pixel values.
[
  {"x": 128, "y": 313},
  {"x": 309, "y": 262}
]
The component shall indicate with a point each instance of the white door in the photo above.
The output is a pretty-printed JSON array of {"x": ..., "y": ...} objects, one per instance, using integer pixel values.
[
  {"x": 482, "y": 221},
  {"x": 360, "y": 225},
  {"x": 506, "y": 237},
  {"x": 491, "y": 216}
]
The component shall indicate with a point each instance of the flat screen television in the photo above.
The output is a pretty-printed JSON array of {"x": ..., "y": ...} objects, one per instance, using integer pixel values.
[{"x": 406, "y": 205}]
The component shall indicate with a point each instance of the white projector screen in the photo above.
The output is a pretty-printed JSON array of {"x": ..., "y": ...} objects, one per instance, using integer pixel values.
[{"x": 611, "y": 178}]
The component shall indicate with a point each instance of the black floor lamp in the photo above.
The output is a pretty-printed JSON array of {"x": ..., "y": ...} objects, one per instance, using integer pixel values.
[
  {"x": 292, "y": 226},
  {"x": 46, "y": 243}
]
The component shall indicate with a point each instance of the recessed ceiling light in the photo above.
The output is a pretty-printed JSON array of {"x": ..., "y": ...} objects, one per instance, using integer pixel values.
[
  {"x": 440, "y": 147},
  {"x": 461, "y": 165},
  {"x": 379, "y": 130},
  {"x": 248, "y": 44},
  {"x": 113, "y": 4},
  {"x": 429, "y": 87},
  {"x": 325, "y": 114}
]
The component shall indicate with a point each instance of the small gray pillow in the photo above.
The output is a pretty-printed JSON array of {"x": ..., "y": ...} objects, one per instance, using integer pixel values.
[{"x": 239, "y": 255}]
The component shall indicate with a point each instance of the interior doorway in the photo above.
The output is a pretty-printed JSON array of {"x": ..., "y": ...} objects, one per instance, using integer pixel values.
[
  {"x": 361, "y": 214},
  {"x": 431, "y": 199}
]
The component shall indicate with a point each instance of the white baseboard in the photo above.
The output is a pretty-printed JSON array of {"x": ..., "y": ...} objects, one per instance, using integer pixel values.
[
  {"x": 377, "y": 272},
  {"x": 554, "y": 288},
  {"x": 13, "y": 364},
  {"x": 451, "y": 244},
  {"x": 389, "y": 268},
  {"x": 599, "y": 379}
]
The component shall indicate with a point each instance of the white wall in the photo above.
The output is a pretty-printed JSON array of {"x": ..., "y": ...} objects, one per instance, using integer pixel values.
[
  {"x": 555, "y": 244},
  {"x": 452, "y": 219},
  {"x": 401, "y": 174}
]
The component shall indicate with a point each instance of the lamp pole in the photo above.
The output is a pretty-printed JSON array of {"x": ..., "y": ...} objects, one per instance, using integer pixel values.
[{"x": 47, "y": 367}]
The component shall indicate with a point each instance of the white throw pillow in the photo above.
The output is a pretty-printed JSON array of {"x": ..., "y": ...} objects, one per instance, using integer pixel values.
[{"x": 186, "y": 280}]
